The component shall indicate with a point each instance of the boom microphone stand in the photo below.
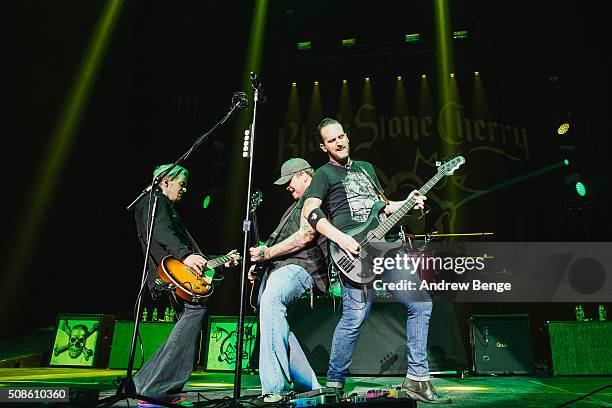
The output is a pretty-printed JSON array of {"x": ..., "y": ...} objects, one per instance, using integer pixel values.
[
  {"x": 126, "y": 388},
  {"x": 249, "y": 143}
]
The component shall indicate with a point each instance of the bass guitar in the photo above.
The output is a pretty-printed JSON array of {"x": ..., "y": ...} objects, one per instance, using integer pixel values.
[
  {"x": 359, "y": 271},
  {"x": 189, "y": 284}
]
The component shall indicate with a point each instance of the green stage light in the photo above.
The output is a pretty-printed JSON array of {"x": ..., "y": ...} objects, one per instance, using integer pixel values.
[
  {"x": 349, "y": 42},
  {"x": 412, "y": 38},
  {"x": 459, "y": 35},
  {"x": 306, "y": 45},
  {"x": 566, "y": 162},
  {"x": 206, "y": 202},
  {"x": 580, "y": 189}
]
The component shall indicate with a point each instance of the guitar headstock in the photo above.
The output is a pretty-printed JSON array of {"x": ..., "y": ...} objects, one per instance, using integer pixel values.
[
  {"x": 256, "y": 199},
  {"x": 450, "y": 166}
]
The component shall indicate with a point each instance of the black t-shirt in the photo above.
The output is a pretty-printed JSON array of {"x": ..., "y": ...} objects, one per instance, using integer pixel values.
[{"x": 347, "y": 194}]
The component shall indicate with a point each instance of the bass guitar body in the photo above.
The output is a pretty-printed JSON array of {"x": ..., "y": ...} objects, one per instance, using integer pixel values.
[{"x": 360, "y": 271}]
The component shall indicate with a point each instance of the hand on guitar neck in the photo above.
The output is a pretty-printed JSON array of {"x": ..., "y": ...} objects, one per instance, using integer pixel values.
[
  {"x": 198, "y": 262},
  {"x": 234, "y": 258},
  {"x": 258, "y": 253}
]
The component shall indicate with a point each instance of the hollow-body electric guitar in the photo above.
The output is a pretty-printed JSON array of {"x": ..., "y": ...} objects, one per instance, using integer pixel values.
[
  {"x": 359, "y": 270},
  {"x": 188, "y": 283}
]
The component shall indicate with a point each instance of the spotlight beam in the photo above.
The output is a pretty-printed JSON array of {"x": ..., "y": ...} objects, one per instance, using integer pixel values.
[
  {"x": 237, "y": 165},
  {"x": 511, "y": 182},
  {"x": 59, "y": 148}
]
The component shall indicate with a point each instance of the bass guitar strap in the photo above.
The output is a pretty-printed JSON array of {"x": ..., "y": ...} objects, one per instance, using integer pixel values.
[{"x": 376, "y": 188}]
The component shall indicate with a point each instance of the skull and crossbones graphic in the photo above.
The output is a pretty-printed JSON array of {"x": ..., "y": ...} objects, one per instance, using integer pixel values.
[{"x": 77, "y": 339}]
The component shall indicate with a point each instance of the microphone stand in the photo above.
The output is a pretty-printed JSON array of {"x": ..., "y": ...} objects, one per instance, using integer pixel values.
[
  {"x": 249, "y": 144},
  {"x": 126, "y": 388}
]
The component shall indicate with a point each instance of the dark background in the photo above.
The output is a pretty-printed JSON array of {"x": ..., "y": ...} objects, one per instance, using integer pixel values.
[{"x": 169, "y": 73}]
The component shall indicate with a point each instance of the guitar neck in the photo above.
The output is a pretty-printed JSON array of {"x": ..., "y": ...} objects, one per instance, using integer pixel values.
[
  {"x": 213, "y": 263},
  {"x": 254, "y": 229},
  {"x": 393, "y": 219}
]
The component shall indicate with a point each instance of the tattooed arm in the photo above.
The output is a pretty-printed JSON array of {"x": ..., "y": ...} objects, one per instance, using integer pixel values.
[{"x": 296, "y": 241}]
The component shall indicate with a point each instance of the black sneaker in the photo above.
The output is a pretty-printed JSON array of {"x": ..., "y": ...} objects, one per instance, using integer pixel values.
[{"x": 423, "y": 391}]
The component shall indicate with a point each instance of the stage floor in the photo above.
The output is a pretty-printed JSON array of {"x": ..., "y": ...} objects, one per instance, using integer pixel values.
[{"x": 472, "y": 391}]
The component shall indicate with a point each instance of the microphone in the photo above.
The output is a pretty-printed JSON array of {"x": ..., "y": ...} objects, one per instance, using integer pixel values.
[
  {"x": 256, "y": 84},
  {"x": 240, "y": 100}
]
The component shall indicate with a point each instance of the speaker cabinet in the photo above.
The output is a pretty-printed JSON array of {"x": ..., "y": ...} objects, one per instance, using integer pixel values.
[
  {"x": 501, "y": 344},
  {"x": 82, "y": 340},
  {"x": 580, "y": 348},
  {"x": 381, "y": 349},
  {"x": 153, "y": 334},
  {"x": 221, "y": 342}
]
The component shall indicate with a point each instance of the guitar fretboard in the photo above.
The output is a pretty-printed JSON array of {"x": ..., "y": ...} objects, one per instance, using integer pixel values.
[
  {"x": 213, "y": 263},
  {"x": 386, "y": 226}
]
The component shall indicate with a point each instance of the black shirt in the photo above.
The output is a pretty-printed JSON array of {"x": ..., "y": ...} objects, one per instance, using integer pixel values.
[
  {"x": 347, "y": 194},
  {"x": 312, "y": 257}
]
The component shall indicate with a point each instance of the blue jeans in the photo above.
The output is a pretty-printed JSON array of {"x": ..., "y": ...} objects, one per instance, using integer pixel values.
[
  {"x": 167, "y": 371},
  {"x": 356, "y": 305},
  {"x": 282, "y": 361}
]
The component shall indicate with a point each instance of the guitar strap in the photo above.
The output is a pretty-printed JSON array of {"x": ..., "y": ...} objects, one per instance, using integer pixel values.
[
  {"x": 281, "y": 225},
  {"x": 378, "y": 190},
  {"x": 271, "y": 241}
]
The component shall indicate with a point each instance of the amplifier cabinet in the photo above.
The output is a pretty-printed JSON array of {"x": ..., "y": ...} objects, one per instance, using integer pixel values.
[
  {"x": 580, "y": 348},
  {"x": 501, "y": 344}
]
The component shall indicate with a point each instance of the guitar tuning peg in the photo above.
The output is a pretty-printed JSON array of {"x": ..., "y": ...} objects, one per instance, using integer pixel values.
[{"x": 438, "y": 163}]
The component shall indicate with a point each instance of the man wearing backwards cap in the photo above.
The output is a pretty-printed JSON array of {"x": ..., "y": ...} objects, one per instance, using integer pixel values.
[{"x": 297, "y": 263}]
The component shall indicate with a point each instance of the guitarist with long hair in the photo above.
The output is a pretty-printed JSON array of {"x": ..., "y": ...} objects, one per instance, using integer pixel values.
[
  {"x": 296, "y": 264},
  {"x": 345, "y": 191},
  {"x": 167, "y": 371}
]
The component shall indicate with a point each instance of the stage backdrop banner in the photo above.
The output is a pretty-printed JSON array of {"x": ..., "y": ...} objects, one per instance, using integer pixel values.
[{"x": 82, "y": 340}]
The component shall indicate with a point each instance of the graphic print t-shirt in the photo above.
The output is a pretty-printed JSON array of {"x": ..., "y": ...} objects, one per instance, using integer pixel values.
[{"x": 348, "y": 196}]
